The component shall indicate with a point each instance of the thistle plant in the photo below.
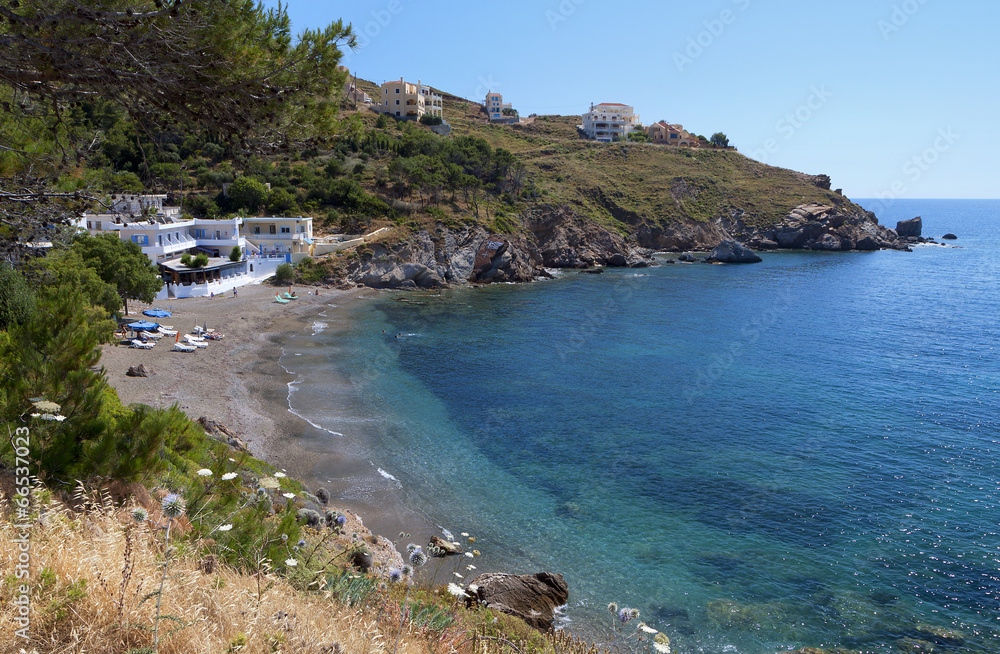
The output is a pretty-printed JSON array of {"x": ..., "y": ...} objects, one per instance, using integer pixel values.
[
  {"x": 172, "y": 507},
  {"x": 417, "y": 559}
]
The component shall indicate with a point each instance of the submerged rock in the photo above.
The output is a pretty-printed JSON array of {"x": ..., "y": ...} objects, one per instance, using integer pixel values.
[{"x": 533, "y": 598}]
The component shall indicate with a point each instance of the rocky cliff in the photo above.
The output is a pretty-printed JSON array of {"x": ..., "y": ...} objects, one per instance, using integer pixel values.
[
  {"x": 553, "y": 237},
  {"x": 556, "y": 237}
]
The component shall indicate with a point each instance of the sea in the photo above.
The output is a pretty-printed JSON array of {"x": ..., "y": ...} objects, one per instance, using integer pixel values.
[{"x": 803, "y": 452}]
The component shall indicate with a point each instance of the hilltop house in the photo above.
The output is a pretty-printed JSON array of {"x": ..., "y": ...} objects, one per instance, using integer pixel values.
[
  {"x": 668, "y": 134},
  {"x": 406, "y": 100},
  {"x": 498, "y": 111},
  {"x": 609, "y": 121}
]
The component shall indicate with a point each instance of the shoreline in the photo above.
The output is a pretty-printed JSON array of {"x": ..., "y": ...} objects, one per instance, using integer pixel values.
[{"x": 239, "y": 382}]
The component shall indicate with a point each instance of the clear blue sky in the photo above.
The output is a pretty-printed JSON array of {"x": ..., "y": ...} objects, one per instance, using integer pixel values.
[{"x": 891, "y": 98}]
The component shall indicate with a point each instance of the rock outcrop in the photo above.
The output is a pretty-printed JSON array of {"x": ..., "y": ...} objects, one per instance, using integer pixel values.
[
  {"x": 730, "y": 251},
  {"x": 533, "y": 598},
  {"x": 552, "y": 238},
  {"x": 949, "y": 237},
  {"x": 820, "y": 227},
  {"x": 912, "y": 227}
]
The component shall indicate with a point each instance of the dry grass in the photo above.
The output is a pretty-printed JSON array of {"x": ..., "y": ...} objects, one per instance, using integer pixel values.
[{"x": 92, "y": 576}]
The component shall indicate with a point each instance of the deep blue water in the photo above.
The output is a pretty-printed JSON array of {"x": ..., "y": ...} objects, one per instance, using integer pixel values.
[{"x": 802, "y": 452}]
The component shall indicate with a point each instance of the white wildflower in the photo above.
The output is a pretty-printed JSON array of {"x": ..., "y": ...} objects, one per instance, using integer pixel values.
[
  {"x": 470, "y": 567},
  {"x": 470, "y": 555},
  {"x": 459, "y": 576},
  {"x": 465, "y": 534},
  {"x": 291, "y": 563},
  {"x": 280, "y": 475},
  {"x": 662, "y": 648},
  {"x": 290, "y": 496},
  {"x": 229, "y": 475},
  {"x": 456, "y": 590},
  {"x": 48, "y": 416},
  {"x": 204, "y": 472},
  {"x": 225, "y": 527},
  {"x": 646, "y": 628}
]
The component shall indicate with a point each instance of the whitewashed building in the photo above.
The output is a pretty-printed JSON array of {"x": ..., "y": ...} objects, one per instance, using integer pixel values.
[{"x": 609, "y": 121}]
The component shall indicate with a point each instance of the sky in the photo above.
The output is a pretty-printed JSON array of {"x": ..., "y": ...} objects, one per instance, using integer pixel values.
[{"x": 891, "y": 98}]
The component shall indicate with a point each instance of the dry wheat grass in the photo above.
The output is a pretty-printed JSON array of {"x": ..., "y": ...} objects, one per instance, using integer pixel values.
[{"x": 94, "y": 576}]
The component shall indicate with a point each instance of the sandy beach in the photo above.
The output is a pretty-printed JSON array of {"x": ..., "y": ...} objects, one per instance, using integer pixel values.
[{"x": 236, "y": 380}]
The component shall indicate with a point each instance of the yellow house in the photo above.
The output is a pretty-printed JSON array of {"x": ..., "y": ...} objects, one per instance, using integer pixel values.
[
  {"x": 667, "y": 134},
  {"x": 405, "y": 100}
]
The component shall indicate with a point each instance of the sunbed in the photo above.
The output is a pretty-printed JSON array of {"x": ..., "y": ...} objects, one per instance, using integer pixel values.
[
  {"x": 291, "y": 297},
  {"x": 140, "y": 345},
  {"x": 280, "y": 299},
  {"x": 180, "y": 347},
  {"x": 195, "y": 341}
]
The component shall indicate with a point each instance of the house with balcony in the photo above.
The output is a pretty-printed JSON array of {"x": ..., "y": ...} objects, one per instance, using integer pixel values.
[
  {"x": 498, "y": 110},
  {"x": 278, "y": 236},
  {"x": 164, "y": 235},
  {"x": 356, "y": 95},
  {"x": 609, "y": 121},
  {"x": 671, "y": 134},
  {"x": 405, "y": 100}
]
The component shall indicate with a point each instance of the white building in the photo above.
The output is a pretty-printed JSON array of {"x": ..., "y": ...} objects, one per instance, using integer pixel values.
[
  {"x": 279, "y": 236},
  {"x": 609, "y": 121},
  {"x": 165, "y": 236}
]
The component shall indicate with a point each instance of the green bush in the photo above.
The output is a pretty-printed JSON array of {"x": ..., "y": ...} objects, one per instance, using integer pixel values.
[
  {"x": 186, "y": 258},
  {"x": 199, "y": 261},
  {"x": 427, "y": 119},
  {"x": 284, "y": 273},
  {"x": 235, "y": 254}
]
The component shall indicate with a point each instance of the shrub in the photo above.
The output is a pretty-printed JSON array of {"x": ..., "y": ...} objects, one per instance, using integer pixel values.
[
  {"x": 284, "y": 273},
  {"x": 186, "y": 259},
  {"x": 235, "y": 253},
  {"x": 427, "y": 119},
  {"x": 199, "y": 261}
]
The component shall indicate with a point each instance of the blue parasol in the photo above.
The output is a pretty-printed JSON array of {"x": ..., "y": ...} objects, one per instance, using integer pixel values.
[
  {"x": 142, "y": 325},
  {"x": 157, "y": 313}
]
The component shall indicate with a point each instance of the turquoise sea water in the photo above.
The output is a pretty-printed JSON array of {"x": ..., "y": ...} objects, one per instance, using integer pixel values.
[{"x": 803, "y": 452}]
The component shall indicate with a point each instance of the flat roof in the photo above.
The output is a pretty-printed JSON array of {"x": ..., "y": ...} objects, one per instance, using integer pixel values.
[{"x": 214, "y": 263}]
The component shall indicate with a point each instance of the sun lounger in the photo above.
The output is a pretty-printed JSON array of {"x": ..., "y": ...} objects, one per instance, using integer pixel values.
[
  {"x": 280, "y": 299},
  {"x": 291, "y": 297},
  {"x": 168, "y": 332},
  {"x": 180, "y": 347},
  {"x": 155, "y": 336},
  {"x": 141, "y": 346},
  {"x": 196, "y": 342},
  {"x": 192, "y": 337},
  {"x": 167, "y": 327}
]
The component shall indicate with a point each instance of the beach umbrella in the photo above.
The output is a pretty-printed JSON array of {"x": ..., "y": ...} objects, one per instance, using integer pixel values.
[
  {"x": 157, "y": 313},
  {"x": 142, "y": 325}
]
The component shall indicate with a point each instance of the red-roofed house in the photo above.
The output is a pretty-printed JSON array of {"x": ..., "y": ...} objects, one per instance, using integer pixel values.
[
  {"x": 668, "y": 134},
  {"x": 609, "y": 121}
]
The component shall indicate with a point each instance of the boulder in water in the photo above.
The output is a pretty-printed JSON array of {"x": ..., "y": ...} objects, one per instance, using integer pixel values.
[
  {"x": 912, "y": 227},
  {"x": 533, "y": 598},
  {"x": 730, "y": 251},
  {"x": 949, "y": 237}
]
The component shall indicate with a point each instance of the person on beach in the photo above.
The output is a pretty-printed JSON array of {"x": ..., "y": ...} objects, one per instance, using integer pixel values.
[{"x": 235, "y": 293}]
